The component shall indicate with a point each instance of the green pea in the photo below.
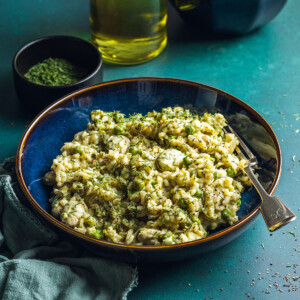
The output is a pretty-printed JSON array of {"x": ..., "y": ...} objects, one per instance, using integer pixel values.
[
  {"x": 119, "y": 118},
  {"x": 55, "y": 201},
  {"x": 190, "y": 130},
  {"x": 134, "y": 151},
  {"x": 239, "y": 202},
  {"x": 97, "y": 234},
  {"x": 77, "y": 149},
  {"x": 187, "y": 161},
  {"x": 216, "y": 175},
  {"x": 100, "y": 177},
  {"x": 118, "y": 130},
  {"x": 226, "y": 213},
  {"x": 166, "y": 235},
  {"x": 195, "y": 219},
  {"x": 199, "y": 194},
  {"x": 231, "y": 172},
  {"x": 138, "y": 184},
  {"x": 90, "y": 221},
  {"x": 182, "y": 203},
  {"x": 153, "y": 182}
]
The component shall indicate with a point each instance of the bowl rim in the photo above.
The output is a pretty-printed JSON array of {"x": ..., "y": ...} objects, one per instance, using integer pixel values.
[
  {"x": 58, "y": 224},
  {"x": 58, "y": 37}
]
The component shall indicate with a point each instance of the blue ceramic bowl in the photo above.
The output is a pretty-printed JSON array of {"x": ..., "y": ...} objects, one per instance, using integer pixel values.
[
  {"x": 58, "y": 123},
  {"x": 228, "y": 16}
]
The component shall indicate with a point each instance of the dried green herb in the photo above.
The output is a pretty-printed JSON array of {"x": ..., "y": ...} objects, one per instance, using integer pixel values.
[
  {"x": 292, "y": 233},
  {"x": 54, "y": 72}
]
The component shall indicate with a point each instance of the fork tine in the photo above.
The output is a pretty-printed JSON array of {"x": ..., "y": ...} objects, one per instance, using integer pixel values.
[{"x": 251, "y": 156}]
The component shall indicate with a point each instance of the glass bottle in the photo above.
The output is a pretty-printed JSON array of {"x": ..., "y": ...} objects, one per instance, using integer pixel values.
[{"x": 129, "y": 32}]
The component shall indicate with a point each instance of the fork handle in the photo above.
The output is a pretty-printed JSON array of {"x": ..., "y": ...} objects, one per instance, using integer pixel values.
[{"x": 276, "y": 214}]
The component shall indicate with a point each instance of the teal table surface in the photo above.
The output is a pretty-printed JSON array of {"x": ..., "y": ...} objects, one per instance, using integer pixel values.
[{"x": 263, "y": 69}]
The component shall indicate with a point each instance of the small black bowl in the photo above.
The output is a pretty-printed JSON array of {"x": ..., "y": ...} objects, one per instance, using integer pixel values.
[{"x": 81, "y": 53}]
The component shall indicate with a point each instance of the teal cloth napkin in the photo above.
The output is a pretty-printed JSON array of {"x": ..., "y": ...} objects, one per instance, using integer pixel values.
[{"x": 36, "y": 264}]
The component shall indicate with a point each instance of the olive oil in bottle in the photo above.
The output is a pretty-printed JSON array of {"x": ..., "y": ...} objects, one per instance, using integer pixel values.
[{"x": 129, "y": 31}]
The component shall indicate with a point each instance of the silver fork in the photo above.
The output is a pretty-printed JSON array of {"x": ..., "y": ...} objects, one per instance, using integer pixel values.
[{"x": 276, "y": 214}]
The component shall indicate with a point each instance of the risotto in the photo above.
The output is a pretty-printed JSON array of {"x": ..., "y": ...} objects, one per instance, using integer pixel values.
[{"x": 164, "y": 178}]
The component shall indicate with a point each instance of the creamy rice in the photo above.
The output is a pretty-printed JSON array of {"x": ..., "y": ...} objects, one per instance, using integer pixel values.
[{"x": 164, "y": 178}]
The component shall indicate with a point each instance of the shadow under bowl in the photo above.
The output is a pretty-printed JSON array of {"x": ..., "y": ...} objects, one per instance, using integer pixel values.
[
  {"x": 58, "y": 123},
  {"x": 81, "y": 53}
]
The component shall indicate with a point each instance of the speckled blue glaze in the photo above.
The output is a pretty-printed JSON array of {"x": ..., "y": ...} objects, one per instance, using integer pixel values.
[{"x": 43, "y": 139}]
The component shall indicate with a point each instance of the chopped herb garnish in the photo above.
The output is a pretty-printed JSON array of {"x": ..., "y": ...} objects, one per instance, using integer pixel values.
[{"x": 54, "y": 72}]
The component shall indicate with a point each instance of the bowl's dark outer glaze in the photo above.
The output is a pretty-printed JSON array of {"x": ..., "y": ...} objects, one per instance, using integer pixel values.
[
  {"x": 230, "y": 16},
  {"x": 35, "y": 97},
  {"x": 58, "y": 123}
]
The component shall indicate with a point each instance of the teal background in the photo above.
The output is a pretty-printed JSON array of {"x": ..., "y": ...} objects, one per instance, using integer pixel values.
[{"x": 262, "y": 68}]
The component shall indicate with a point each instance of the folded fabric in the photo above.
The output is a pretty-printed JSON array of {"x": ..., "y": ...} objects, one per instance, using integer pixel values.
[{"x": 36, "y": 264}]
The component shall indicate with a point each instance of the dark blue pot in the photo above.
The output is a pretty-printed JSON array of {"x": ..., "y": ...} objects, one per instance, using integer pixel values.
[{"x": 228, "y": 16}]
